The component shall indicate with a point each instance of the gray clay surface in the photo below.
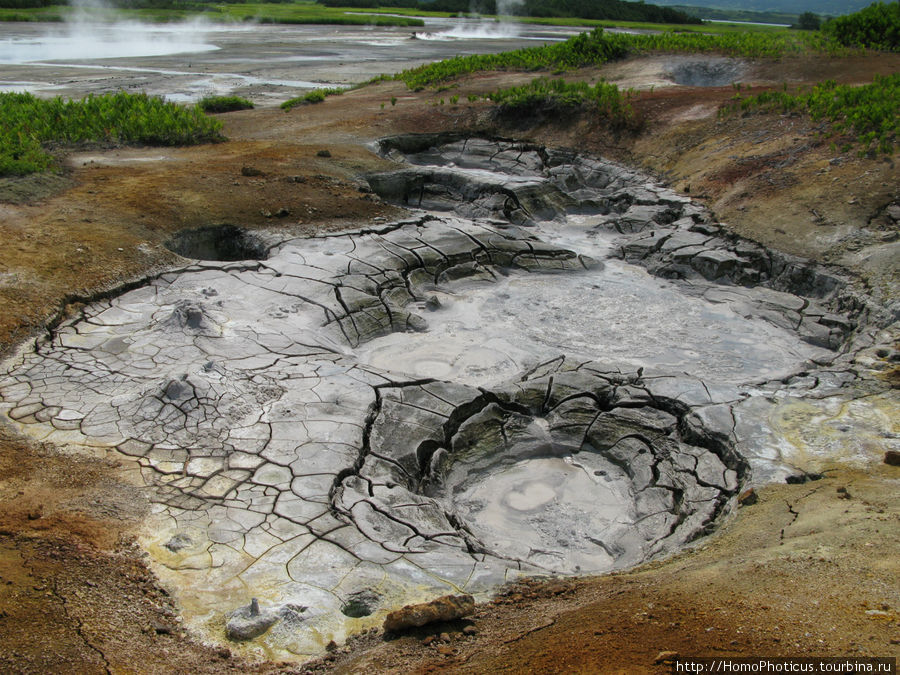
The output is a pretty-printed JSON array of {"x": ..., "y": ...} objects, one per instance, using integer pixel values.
[{"x": 490, "y": 388}]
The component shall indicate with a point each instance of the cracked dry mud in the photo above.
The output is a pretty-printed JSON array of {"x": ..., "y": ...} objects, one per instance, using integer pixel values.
[{"x": 445, "y": 403}]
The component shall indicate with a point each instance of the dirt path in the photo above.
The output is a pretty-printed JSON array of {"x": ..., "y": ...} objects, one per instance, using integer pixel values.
[{"x": 809, "y": 569}]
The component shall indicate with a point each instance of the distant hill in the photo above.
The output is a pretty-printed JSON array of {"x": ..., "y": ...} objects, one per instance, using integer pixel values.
[
  {"x": 706, "y": 13},
  {"x": 791, "y": 7}
]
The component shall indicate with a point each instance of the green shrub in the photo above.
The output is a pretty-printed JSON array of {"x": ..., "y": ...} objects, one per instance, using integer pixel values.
[
  {"x": 543, "y": 94},
  {"x": 223, "y": 104},
  {"x": 871, "y": 111},
  {"x": 314, "y": 96},
  {"x": 28, "y": 124},
  {"x": 875, "y": 27},
  {"x": 808, "y": 21}
]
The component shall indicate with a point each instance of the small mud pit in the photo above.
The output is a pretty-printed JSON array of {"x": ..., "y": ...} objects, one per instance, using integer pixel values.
[
  {"x": 219, "y": 242},
  {"x": 572, "y": 468},
  {"x": 555, "y": 365},
  {"x": 707, "y": 72}
]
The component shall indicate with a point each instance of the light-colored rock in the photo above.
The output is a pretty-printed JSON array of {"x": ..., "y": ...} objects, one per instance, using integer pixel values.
[{"x": 445, "y": 608}]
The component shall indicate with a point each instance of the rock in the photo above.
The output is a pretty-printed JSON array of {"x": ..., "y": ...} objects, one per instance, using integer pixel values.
[
  {"x": 684, "y": 240},
  {"x": 470, "y": 630},
  {"x": 748, "y": 497},
  {"x": 800, "y": 478},
  {"x": 445, "y": 608},
  {"x": 893, "y": 212},
  {"x": 323, "y": 153},
  {"x": 714, "y": 263},
  {"x": 249, "y": 622},
  {"x": 665, "y": 657},
  {"x": 892, "y": 458},
  {"x": 428, "y": 640},
  {"x": 250, "y": 172},
  {"x": 179, "y": 542},
  {"x": 445, "y": 650},
  {"x": 640, "y": 216}
]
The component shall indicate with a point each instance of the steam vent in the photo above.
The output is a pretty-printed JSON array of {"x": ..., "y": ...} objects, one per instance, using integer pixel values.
[{"x": 553, "y": 366}]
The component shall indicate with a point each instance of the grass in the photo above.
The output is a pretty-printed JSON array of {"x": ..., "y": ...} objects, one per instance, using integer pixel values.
[
  {"x": 298, "y": 12},
  {"x": 28, "y": 125},
  {"x": 598, "y": 47},
  {"x": 545, "y": 95},
  {"x": 309, "y": 13},
  {"x": 314, "y": 96},
  {"x": 871, "y": 111},
  {"x": 223, "y": 104},
  {"x": 711, "y": 28},
  {"x": 57, "y": 13},
  {"x": 53, "y": 13}
]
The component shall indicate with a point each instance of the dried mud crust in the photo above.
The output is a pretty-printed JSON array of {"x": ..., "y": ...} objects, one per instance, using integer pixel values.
[
  {"x": 773, "y": 583},
  {"x": 807, "y": 570}
]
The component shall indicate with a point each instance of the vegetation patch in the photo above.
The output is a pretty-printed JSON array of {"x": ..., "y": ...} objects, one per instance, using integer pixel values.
[
  {"x": 871, "y": 111},
  {"x": 28, "y": 125},
  {"x": 300, "y": 12},
  {"x": 545, "y": 95},
  {"x": 598, "y": 47},
  {"x": 875, "y": 27},
  {"x": 223, "y": 104},
  {"x": 314, "y": 96},
  {"x": 307, "y": 13}
]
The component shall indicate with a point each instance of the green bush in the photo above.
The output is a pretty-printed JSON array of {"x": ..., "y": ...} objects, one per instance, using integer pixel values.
[
  {"x": 808, "y": 21},
  {"x": 543, "y": 94},
  {"x": 28, "y": 124},
  {"x": 223, "y": 104},
  {"x": 875, "y": 27},
  {"x": 871, "y": 111},
  {"x": 314, "y": 96}
]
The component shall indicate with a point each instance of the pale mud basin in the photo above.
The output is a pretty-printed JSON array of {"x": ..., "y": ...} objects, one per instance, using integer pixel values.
[{"x": 554, "y": 366}]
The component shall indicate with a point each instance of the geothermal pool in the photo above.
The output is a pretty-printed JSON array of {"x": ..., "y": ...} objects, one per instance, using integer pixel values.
[
  {"x": 553, "y": 366},
  {"x": 267, "y": 63}
]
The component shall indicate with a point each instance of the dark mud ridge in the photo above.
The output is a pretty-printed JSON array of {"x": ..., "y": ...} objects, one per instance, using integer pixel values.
[{"x": 555, "y": 365}]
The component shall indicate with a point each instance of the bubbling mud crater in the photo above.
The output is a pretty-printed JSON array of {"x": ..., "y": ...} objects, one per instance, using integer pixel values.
[{"x": 552, "y": 367}]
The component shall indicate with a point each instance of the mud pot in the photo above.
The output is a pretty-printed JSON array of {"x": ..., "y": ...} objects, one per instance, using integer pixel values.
[{"x": 553, "y": 366}]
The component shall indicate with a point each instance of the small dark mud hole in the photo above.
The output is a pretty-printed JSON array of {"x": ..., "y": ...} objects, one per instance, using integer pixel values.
[
  {"x": 707, "y": 73},
  {"x": 219, "y": 242}
]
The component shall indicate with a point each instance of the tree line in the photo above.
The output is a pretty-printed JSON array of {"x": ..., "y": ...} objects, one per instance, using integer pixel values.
[{"x": 612, "y": 10}]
